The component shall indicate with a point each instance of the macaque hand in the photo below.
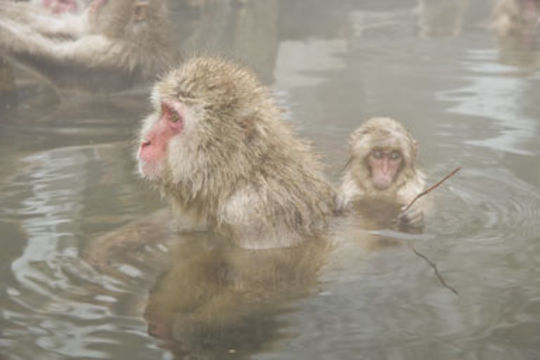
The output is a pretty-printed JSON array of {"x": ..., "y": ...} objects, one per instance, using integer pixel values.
[{"x": 412, "y": 217}]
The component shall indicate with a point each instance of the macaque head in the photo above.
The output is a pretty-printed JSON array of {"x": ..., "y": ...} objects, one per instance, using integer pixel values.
[
  {"x": 206, "y": 126},
  {"x": 383, "y": 155}
]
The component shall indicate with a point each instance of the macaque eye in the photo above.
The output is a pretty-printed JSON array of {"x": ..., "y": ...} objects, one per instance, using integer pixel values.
[
  {"x": 174, "y": 116},
  {"x": 377, "y": 154},
  {"x": 395, "y": 155},
  {"x": 170, "y": 114}
]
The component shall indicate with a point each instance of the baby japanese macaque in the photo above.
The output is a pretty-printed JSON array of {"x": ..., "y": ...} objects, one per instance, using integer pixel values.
[{"x": 382, "y": 169}]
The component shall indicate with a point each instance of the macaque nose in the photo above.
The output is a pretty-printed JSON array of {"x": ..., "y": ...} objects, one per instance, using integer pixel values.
[
  {"x": 145, "y": 143},
  {"x": 385, "y": 166}
]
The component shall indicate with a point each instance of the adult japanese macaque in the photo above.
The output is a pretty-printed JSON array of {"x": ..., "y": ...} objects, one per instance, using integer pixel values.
[
  {"x": 217, "y": 148},
  {"x": 517, "y": 18},
  {"x": 382, "y": 169},
  {"x": 111, "y": 40}
]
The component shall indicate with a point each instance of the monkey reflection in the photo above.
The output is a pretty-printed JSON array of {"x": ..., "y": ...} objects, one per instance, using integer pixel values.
[
  {"x": 8, "y": 93},
  {"x": 439, "y": 18},
  {"x": 381, "y": 171},
  {"x": 213, "y": 296},
  {"x": 218, "y": 297},
  {"x": 112, "y": 44}
]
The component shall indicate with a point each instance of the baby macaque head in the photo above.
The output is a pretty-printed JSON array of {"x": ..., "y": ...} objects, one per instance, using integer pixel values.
[{"x": 386, "y": 150}]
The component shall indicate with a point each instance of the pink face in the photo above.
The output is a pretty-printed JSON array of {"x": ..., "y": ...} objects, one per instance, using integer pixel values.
[
  {"x": 384, "y": 166},
  {"x": 155, "y": 144},
  {"x": 61, "y": 6}
]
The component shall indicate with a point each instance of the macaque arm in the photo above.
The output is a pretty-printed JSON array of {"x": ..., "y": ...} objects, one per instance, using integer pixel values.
[
  {"x": 413, "y": 216},
  {"x": 91, "y": 50},
  {"x": 101, "y": 251},
  {"x": 349, "y": 192},
  {"x": 73, "y": 26}
]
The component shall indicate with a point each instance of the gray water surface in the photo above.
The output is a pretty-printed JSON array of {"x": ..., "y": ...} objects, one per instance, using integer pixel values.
[{"x": 470, "y": 100}]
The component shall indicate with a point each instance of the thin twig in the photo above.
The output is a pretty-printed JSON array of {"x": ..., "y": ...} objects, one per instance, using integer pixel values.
[
  {"x": 432, "y": 188},
  {"x": 434, "y": 267}
]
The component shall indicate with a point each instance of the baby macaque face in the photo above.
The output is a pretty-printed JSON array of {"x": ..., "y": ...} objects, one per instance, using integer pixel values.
[{"x": 384, "y": 165}]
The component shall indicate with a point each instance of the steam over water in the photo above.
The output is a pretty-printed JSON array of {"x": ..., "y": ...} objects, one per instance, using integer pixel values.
[{"x": 67, "y": 176}]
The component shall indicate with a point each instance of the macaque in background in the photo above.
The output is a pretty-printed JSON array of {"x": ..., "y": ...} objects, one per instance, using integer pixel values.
[
  {"x": 112, "y": 40},
  {"x": 517, "y": 18},
  {"x": 217, "y": 148},
  {"x": 382, "y": 168},
  {"x": 62, "y": 6},
  {"x": 517, "y": 25}
]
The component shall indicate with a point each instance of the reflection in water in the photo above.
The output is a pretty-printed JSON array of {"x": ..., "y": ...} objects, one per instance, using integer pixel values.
[
  {"x": 218, "y": 300},
  {"x": 8, "y": 92},
  {"x": 441, "y": 17},
  {"x": 56, "y": 189},
  {"x": 52, "y": 289},
  {"x": 292, "y": 68},
  {"x": 469, "y": 98},
  {"x": 497, "y": 97}
]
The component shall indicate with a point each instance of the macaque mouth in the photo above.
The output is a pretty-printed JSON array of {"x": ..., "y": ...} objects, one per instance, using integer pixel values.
[{"x": 382, "y": 181}]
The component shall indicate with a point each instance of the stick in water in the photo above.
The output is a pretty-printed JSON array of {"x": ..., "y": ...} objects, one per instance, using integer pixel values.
[{"x": 431, "y": 188}]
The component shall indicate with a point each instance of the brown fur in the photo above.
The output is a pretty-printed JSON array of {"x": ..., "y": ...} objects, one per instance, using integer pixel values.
[
  {"x": 237, "y": 167},
  {"x": 388, "y": 133},
  {"x": 126, "y": 38}
]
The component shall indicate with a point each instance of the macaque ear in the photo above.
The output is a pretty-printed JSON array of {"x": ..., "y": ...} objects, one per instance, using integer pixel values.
[{"x": 140, "y": 10}]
